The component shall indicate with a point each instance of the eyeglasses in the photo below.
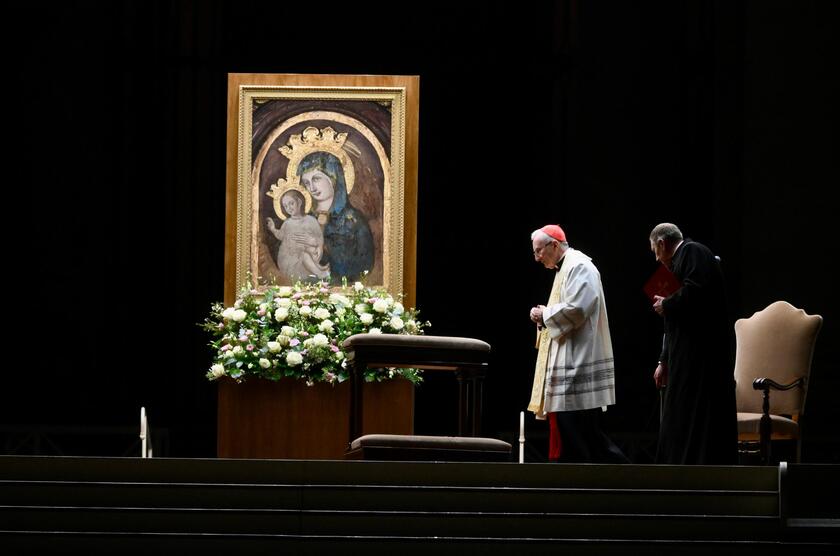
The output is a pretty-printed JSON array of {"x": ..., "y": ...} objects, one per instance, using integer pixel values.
[{"x": 541, "y": 248}]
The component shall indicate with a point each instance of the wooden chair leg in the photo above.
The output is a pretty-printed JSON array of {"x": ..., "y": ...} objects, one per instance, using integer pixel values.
[
  {"x": 765, "y": 429},
  {"x": 357, "y": 382}
]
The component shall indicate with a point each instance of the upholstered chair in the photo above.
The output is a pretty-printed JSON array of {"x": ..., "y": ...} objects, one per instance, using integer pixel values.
[{"x": 774, "y": 351}]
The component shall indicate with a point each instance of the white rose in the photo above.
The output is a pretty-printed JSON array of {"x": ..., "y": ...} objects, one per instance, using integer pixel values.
[
  {"x": 237, "y": 349},
  {"x": 320, "y": 340},
  {"x": 340, "y": 311},
  {"x": 287, "y": 331},
  {"x": 307, "y": 343},
  {"x": 306, "y": 310},
  {"x": 339, "y": 355},
  {"x": 366, "y": 318},
  {"x": 294, "y": 358},
  {"x": 284, "y": 302},
  {"x": 281, "y": 314},
  {"x": 358, "y": 286},
  {"x": 264, "y": 363},
  {"x": 337, "y": 298},
  {"x": 229, "y": 354},
  {"x": 239, "y": 315},
  {"x": 321, "y": 313},
  {"x": 398, "y": 308},
  {"x": 411, "y": 325},
  {"x": 396, "y": 323},
  {"x": 361, "y": 308},
  {"x": 380, "y": 305},
  {"x": 374, "y": 331},
  {"x": 326, "y": 326},
  {"x": 284, "y": 291},
  {"x": 274, "y": 347},
  {"x": 228, "y": 313},
  {"x": 217, "y": 370}
]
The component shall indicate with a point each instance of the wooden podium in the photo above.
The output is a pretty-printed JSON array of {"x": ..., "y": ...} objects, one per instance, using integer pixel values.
[{"x": 262, "y": 419}]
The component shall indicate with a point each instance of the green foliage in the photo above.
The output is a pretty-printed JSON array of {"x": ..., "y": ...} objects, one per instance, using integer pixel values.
[{"x": 297, "y": 331}]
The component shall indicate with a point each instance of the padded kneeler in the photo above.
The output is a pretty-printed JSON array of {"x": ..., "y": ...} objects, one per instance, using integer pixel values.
[{"x": 405, "y": 447}]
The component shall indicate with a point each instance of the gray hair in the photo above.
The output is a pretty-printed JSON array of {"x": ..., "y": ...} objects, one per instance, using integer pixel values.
[
  {"x": 667, "y": 232},
  {"x": 546, "y": 239}
]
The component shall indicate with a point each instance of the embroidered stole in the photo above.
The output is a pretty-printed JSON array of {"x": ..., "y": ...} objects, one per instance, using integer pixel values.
[{"x": 537, "y": 402}]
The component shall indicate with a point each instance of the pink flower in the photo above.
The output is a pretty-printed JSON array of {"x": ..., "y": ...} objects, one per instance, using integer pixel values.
[
  {"x": 225, "y": 347},
  {"x": 250, "y": 347},
  {"x": 334, "y": 348},
  {"x": 293, "y": 342}
]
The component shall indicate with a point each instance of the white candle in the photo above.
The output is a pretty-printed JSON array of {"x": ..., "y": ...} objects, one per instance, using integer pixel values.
[
  {"x": 142, "y": 432},
  {"x": 521, "y": 437}
]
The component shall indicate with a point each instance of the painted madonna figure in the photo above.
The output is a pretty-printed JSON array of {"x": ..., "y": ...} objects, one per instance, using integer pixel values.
[{"x": 348, "y": 243}]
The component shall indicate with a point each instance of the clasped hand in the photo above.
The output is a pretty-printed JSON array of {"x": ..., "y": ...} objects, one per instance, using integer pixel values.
[
  {"x": 657, "y": 304},
  {"x": 537, "y": 314}
]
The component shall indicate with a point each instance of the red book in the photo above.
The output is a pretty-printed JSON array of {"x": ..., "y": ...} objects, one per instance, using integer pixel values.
[{"x": 662, "y": 282}]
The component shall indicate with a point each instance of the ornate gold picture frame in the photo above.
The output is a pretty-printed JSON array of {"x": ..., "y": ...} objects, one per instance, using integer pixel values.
[{"x": 321, "y": 180}]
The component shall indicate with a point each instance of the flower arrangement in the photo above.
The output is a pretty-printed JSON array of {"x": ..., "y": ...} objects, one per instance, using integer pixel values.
[{"x": 297, "y": 331}]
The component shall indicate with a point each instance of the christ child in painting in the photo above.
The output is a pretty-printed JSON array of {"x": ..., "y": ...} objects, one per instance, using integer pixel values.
[{"x": 301, "y": 241}]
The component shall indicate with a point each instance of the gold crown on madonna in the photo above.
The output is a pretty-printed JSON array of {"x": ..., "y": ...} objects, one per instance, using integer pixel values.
[{"x": 312, "y": 140}]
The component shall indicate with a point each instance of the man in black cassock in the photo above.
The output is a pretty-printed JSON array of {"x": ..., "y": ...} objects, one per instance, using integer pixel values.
[{"x": 699, "y": 424}]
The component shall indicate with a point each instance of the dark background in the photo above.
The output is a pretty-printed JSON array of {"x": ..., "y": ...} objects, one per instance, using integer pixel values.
[{"x": 605, "y": 117}]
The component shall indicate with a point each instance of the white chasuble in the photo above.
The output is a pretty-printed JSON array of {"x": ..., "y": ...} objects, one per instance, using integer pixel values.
[{"x": 575, "y": 368}]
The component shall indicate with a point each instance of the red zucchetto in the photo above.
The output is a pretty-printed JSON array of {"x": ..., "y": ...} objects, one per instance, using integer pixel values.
[{"x": 554, "y": 232}]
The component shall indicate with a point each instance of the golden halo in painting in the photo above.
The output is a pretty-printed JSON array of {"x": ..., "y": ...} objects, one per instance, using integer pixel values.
[{"x": 281, "y": 188}]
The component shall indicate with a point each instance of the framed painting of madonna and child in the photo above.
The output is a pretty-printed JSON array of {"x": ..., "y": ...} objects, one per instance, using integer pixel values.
[{"x": 321, "y": 180}]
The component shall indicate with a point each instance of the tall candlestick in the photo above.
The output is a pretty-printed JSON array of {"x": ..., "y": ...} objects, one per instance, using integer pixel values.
[{"x": 521, "y": 437}]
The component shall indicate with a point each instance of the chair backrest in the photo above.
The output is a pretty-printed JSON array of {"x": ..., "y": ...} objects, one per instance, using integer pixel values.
[{"x": 776, "y": 343}]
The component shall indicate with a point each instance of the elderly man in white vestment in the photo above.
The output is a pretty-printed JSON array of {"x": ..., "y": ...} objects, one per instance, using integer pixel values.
[{"x": 574, "y": 379}]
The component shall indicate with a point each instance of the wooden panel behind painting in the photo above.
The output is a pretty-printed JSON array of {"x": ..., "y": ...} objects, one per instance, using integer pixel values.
[{"x": 289, "y": 420}]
